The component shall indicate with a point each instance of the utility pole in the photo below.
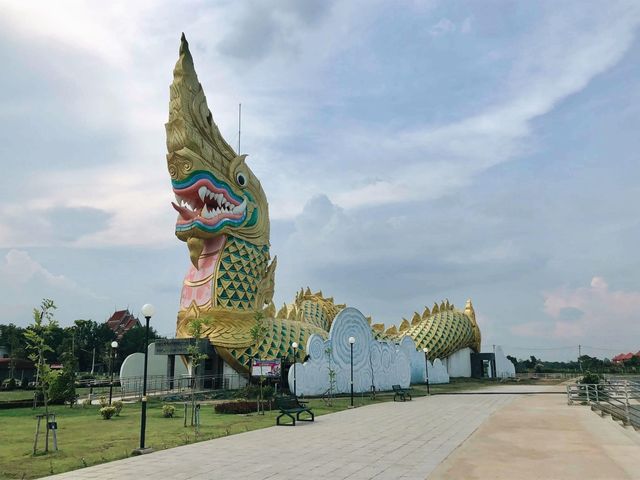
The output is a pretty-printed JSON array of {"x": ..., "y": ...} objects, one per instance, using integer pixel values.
[
  {"x": 239, "y": 124},
  {"x": 580, "y": 355}
]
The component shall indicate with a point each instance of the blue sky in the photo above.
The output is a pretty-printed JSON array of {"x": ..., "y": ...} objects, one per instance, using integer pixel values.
[{"x": 411, "y": 151}]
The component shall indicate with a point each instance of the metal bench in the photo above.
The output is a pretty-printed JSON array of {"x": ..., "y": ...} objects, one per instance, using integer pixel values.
[
  {"x": 289, "y": 405},
  {"x": 400, "y": 393}
]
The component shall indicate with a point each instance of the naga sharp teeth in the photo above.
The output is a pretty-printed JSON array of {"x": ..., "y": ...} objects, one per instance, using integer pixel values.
[
  {"x": 240, "y": 208},
  {"x": 202, "y": 192}
]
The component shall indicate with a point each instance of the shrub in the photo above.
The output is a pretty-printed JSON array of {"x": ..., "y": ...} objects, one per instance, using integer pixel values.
[
  {"x": 590, "y": 378},
  {"x": 62, "y": 388},
  {"x": 248, "y": 391},
  {"x": 117, "y": 404},
  {"x": 268, "y": 392},
  {"x": 103, "y": 401},
  {"x": 86, "y": 402},
  {"x": 240, "y": 407},
  {"x": 107, "y": 412},
  {"x": 168, "y": 411},
  {"x": 9, "y": 384}
]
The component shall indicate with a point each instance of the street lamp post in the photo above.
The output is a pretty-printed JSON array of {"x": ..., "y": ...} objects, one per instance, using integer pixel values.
[
  {"x": 147, "y": 310},
  {"x": 294, "y": 345},
  {"x": 426, "y": 366},
  {"x": 114, "y": 347},
  {"x": 352, "y": 340}
]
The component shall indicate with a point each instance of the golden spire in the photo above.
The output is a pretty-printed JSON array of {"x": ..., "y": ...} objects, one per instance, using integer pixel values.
[{"x": 191, "y": 124}]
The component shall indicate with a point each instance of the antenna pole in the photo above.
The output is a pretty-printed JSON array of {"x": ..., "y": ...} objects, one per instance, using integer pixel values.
[{"x": 239, "y": 124}]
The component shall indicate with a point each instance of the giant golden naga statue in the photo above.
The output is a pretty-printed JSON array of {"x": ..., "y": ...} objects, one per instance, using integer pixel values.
[{"x": 223, "y": 216}]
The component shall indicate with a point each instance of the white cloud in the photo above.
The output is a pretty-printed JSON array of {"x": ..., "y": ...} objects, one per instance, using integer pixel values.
[
  {"x": 595, "y": 311},
  {"x": 555, "y": 61},
  {"x": 443, "y": 27},
  {"x": 19, "y": 269}
]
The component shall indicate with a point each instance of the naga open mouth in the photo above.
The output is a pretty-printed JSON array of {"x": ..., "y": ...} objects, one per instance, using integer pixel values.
[{"x": 205, "y": 202}]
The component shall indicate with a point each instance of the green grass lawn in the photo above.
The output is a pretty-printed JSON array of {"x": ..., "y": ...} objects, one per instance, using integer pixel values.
[{"x": 16, "y": 395}]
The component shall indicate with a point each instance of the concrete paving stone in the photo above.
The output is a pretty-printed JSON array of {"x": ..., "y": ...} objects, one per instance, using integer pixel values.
[{"x": 378, "y": 441}]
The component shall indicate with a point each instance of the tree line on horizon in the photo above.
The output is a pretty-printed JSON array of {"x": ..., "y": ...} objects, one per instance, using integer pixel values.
[
  {"x": 583, "y": 363},
  {"x": 86, "y": 341}
]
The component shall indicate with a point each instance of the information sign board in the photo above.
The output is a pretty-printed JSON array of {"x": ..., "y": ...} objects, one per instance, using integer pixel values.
[{"x": 266, "y": 368}]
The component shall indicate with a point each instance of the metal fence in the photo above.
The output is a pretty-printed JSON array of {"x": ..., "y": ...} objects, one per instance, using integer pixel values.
[
  {"x": 131, "y": 388},
  {"x": 618, "y": 398},
  {"x": 557, "y": 375}
]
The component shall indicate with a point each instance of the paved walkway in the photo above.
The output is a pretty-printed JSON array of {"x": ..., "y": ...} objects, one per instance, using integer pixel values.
[
  {"x": 508, "y": 435},
  {"x": 390, "y": 440},
  {"x": 541, "y": 437}
]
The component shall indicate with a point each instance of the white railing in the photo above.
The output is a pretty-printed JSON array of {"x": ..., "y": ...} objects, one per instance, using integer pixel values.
[
  {"x": 558, "y": 375},
  {"x": 131, "y": 387},
  {"x": 620, "y": 399}
]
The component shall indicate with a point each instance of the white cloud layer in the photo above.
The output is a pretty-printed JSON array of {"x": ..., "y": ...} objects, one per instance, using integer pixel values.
[{"x": 404, "y": 149}]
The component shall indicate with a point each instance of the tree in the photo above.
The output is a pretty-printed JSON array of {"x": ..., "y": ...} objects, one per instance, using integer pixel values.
[
  {"x": 131, "y": 341},
  {"x": 90, "y": 341},
  {"x": 13, "y": 337},
  {"x": 37, "y": 336},
  {"x": 258, "y": 332},
  {"x": 196, "y": 327},
  {"x": 63, "y": 385}
]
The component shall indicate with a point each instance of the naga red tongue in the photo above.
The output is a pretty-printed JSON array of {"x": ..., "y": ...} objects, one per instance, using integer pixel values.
[{"x": 185, "y": 212}]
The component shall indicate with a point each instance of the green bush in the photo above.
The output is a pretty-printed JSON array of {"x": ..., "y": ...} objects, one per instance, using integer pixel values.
[
  {"x": 117, "y": 404},
  {"x": 268, "y": 392},
  {"x": 590, "y": 378},
  {"x": 103, "y": 401},
  {"x": 107, "y": 412},
  {"x": 62, "y": 388},
  {"x": 168, "y": 411},
  {"x": 240, "y": 407},
  {"x": 9, "y": 384},
  {"x": 248, "y": 391}
]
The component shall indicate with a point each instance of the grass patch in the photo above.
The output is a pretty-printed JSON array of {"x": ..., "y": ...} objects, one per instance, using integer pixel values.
[{"x": 16, "y": 395}]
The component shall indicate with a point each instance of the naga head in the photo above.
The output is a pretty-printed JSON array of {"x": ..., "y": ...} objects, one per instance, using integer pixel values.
[{"x": 216, "y": 192}]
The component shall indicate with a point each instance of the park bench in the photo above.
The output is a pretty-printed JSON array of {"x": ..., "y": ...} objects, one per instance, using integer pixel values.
[
  {"x": 401, "y": 393},
  {"x": 289, "y": 405}
]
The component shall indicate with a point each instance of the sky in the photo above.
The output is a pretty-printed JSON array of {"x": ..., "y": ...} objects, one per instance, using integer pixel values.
[{"x": 410, "y": 151}]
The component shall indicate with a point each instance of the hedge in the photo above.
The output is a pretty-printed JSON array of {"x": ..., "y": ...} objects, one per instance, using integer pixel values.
[{"x": 240, "y": 407}]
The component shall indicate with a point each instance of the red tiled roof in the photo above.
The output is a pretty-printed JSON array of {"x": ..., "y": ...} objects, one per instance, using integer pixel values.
[
  {"x": 624, "y": 356},
  {"x": 121, "y": 322}
]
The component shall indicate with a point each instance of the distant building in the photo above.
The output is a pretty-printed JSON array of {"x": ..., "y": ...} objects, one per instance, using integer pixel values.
[
  {"x": 121, "y": 322},
  {"x": 21, "y": 369},
  {"x": 623, "y": 357}
]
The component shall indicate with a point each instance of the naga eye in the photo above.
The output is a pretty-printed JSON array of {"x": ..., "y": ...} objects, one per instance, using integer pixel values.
[{"x": 241, "y": 179}]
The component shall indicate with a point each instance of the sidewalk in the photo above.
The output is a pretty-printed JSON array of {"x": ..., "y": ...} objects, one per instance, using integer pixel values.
[
  {"x": 541, "y": 437},
  {"x": 471, "y": 436},
  {"x": 390, "y": 440}
]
